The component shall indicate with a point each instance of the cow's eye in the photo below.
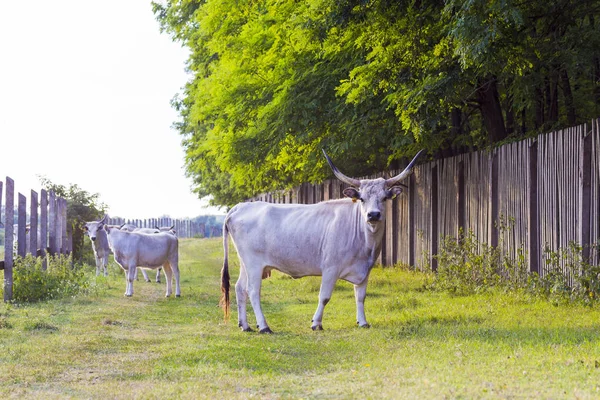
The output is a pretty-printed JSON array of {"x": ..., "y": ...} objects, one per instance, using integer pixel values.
[{"x": 362, "y": 200}]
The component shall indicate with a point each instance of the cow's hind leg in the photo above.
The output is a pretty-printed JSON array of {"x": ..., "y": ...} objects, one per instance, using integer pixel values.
[
  {"x": 360, "y": 293},
  {"x": 143, "y": 273},
  {"x": 254, "y": 274},
  {"x": 173, "y": 263},
  {"x": 129, "y": 277},
  {"x": 168, "y": 278},
  {"x": 241, "y": 296},
  {"x": 158, "y": 275},
  {"x": 327, "y": 285}
]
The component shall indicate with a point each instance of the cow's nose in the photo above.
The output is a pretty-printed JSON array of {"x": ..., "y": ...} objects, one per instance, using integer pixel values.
[
  {"x": 374, "y": 216},
  {"x": 93, "y": 238}
]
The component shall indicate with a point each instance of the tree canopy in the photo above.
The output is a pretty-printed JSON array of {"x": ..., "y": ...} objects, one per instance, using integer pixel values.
[{"x": 371, "y": 81}]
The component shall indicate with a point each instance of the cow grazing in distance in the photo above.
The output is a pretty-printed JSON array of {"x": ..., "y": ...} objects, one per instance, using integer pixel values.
[
  {"x": 134, "y": 228},
  {"x": 336, "y": 239},
  {"x": 170, "y": 229},
  {"x": 148, "y": 250},
  {"x": 99, "y": 244}
]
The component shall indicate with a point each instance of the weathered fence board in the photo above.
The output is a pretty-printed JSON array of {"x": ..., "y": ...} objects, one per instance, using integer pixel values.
[{"x": 31, "y": 237}]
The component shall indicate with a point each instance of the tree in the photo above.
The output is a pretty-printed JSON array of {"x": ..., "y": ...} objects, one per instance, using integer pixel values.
[
  {"x": 372, "y": 81},
  {"x": 81, "y": 206}
]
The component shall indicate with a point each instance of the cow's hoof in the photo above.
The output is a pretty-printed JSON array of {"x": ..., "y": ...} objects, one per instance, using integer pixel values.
[
  {"x": 317, "y": 328},
  {"x": 366, "y": 326},
  {"x": 128, "y": 295},
  {"x": 266, "y": 330},
  {"x": 248, "y": 329},
  {"x": 177, "y": 295},
  {"x": 157, "y": 281}
]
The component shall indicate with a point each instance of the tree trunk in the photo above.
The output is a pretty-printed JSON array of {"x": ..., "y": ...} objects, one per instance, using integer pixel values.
[
  {"x": 491, "y": 110},
  {"x": 569, "y": 103},
  {"x": 552, "y": 98},
  {"x": 539, "y": 108}
]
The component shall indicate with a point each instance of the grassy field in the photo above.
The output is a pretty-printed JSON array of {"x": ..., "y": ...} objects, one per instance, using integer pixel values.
[{"x": 421, "y": 344}]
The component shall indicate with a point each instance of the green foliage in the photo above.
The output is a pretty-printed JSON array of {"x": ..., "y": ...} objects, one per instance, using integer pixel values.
[
  {"x": 372, "y": 81},
  {"x": 467, "y": 266},
  {"x": 61, "y": 279},
  {"x": 81, "y": 206}
]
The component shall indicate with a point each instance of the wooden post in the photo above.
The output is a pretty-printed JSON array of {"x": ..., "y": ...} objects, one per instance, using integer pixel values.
[
  {"x": 65, "y": 246},
  {"x": 585, "y": 195},
  {"x": 33, "y": 223},
  {"x": 461, "y": 201},
  {"x": 9, "y": 221},
  {"x": 435, "y": 232},
  {"x": 21, "y": 226},
  {"x": 43, "y": 227},
  {"x": 533, "y": 232},
  {"x": 412, "y": 230},
  {"x": 493, "y": 199},
  {"x": 52, "y": 222}
]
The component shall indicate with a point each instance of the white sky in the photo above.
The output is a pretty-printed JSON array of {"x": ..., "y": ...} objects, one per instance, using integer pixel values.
[{"x": 85, "y": 88}]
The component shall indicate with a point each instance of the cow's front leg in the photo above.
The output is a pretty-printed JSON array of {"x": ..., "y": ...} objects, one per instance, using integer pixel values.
[
  {"x": 98, "y": 265},
  {"x": 327, "y": 285},
  {"x": 360, "y": 293}
]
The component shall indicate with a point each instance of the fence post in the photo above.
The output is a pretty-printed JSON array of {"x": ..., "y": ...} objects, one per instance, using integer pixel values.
[
  {"x": 435, "y": 234},
  {"x": 493, "y": 200},
  {"x": 65, "y": 244},
  {"x": 43, "y": 227},
  {"x": 33, "y": 223},
  {"x": 461, "y": 201},
  {"x": 585, "y": 192},
  {"x": 52, "y": 222},
  {"x": 533, "y": 232},
  {"x": 412, "y": 231},
  {"x": 9, "y": 221},
  {"x": 21, "y": 228}
]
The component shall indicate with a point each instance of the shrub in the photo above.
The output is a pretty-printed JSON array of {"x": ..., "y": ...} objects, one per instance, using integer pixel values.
[{"x": 61, "y": 279}]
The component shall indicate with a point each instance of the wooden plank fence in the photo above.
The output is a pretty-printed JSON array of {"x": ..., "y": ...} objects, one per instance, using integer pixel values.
[
  {"x": 185, "y": 228},
  {"x": 526, "y": 198},
  {"x": 49, "y": 222}
]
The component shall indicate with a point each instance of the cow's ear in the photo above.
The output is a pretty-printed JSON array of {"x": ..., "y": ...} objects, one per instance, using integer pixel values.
[
  {"x": 393, "y": 192},
  {"x": 353, "y": 193}
]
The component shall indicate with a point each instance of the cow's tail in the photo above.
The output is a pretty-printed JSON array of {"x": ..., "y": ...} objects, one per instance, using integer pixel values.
[{"x": 225, "y": 272}]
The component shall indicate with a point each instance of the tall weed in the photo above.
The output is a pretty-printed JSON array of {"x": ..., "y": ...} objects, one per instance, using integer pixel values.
[{"x": 61, "y": 279}]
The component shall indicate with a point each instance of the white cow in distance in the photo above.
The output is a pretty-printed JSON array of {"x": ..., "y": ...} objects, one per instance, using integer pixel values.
[
  {"x": 336, "y": 239},
  {"x": 99, "y": 244},
  {"x": 134, "y": 228},
  {"x": 148, "y": 250}
]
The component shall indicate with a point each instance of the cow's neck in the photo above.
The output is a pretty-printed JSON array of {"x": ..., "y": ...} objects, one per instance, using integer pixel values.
[{"x": 372, "y": 234}]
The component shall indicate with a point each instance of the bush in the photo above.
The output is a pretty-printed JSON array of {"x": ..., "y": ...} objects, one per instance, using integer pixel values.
[
  {"x": 467, "y": 266},
  {"x": 61, "y": 279}
]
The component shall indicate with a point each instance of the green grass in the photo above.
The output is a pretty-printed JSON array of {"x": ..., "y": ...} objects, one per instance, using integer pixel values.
[{"x": 421, "y": 344}]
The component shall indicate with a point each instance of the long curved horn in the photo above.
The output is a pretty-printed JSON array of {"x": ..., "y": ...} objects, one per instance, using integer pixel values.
[
  {"x": 339, "y": 175},
  {"x": 404, "y": 174}
]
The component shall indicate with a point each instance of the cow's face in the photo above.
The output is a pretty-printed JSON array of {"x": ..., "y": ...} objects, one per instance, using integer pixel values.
[
  {"x": 91, "y": 229},
  {"x": 373, "y": 194}
]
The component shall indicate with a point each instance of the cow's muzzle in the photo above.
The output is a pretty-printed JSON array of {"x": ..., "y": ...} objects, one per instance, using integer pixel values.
[{"x": 374, "y": 216}]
